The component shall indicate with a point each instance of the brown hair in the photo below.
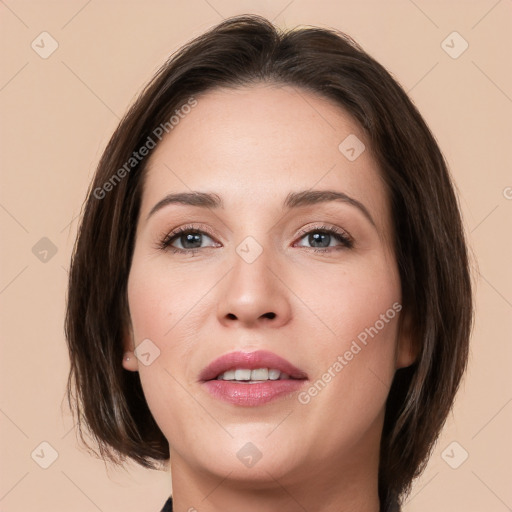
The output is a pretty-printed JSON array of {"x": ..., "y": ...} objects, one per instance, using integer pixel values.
[{"x": 428, "y": 239}]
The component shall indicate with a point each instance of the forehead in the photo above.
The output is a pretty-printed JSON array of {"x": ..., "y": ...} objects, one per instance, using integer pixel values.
[{"x": 254, "y": 145}]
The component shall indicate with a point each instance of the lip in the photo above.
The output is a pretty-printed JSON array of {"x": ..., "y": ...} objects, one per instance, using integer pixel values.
[
  {"x": 250, "y": 361},
  {"x": 244, "y": 393}
]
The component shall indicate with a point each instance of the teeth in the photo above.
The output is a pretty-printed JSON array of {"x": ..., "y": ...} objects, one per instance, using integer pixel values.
[
  {"x": 229, "y": 375},
  {"x": 273, "y": 374},
  {"x": 242, "y": 374},
  {"x": 258, "y": 374}
]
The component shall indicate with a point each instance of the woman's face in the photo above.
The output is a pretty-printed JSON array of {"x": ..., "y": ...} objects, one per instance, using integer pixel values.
[{"x": 266, "y": 264}]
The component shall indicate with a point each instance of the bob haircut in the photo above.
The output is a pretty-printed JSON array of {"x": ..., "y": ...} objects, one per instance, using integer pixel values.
[{"x": 428, "y": 239}]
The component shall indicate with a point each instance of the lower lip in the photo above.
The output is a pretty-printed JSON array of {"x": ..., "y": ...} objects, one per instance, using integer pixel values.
[{"x": 250, "y": 395}]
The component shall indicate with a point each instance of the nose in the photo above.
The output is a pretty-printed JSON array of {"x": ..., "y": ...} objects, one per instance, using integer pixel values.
[{"x": 254, "y": 294}]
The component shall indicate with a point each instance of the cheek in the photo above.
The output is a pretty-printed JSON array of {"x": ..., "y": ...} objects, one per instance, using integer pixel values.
[
  {"x": 164, "y": 309},
  {"x": 359, "y": 301},
  {"x": 358, "y": 365},
  {"x": 159, "y": 298},
  {"x": 353, "y": 356}
]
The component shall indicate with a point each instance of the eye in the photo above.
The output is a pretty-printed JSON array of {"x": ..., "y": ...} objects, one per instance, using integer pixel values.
[
  {"x": 189, "y": 240},
  {"x": 324, "y": 239},
  {"x": 186, "y": 239}
]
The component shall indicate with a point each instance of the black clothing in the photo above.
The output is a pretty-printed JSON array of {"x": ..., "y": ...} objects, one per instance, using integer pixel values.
[{"x": 168, "y": 507}]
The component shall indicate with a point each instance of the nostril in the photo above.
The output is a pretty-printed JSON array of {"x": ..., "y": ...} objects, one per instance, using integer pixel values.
[{"x": 269, "y": 315}]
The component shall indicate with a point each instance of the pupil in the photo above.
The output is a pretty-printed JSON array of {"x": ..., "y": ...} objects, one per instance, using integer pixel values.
[
  {"x": 191, "y": 239},
  {"x": 319, "y": 239}
]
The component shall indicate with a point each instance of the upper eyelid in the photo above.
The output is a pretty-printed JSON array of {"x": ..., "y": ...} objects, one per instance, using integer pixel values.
[{"x": 323, "y": 227}]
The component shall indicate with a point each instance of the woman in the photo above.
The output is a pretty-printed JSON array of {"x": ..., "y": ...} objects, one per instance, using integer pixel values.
[{"x": 270, "y": 292}]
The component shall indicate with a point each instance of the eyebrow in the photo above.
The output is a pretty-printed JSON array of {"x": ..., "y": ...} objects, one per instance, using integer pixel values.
[
  {"x": 293, "y": 200},
  {"x": 200, "y": 199}
]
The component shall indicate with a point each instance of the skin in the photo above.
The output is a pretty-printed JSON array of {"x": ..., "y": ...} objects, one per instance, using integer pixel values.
[{"x": 252, "y": 146}]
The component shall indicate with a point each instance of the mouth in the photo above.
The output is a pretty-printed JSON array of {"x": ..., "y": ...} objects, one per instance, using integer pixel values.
[
  {"x": 251, "y": 378},
  {"x": 248, "y": 376}
]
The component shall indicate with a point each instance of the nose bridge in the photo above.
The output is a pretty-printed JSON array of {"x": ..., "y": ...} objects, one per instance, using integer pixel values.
[{"x": 252, "y": 292}]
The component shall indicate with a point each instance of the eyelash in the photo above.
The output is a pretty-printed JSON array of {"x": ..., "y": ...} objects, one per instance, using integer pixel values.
[{"x": 165, "y": 243}]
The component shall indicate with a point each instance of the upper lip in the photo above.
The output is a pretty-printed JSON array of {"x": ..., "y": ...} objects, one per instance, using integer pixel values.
[{"x": 251, "y": 361}]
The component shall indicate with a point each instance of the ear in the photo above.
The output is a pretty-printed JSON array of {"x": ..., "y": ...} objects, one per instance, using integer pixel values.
[
  {"x": 129, "y": 362},
  {"x": 407, "y": 349}
]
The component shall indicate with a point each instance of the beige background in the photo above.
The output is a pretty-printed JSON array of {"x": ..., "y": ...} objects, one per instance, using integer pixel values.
[{"x": 57, "y": 115}]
